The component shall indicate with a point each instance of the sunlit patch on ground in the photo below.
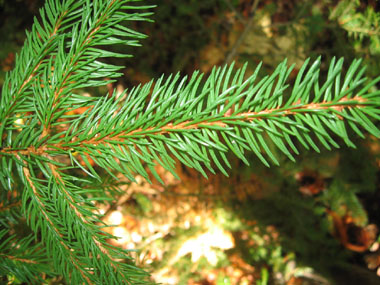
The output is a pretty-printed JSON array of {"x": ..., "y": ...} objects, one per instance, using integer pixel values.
[{"x": 182, "y": 237}]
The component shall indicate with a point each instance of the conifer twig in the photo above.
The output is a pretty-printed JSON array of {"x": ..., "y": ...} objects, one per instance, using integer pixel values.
[
  {"x": 240, "y": 40},
  {"x": 50, "y": 154}
]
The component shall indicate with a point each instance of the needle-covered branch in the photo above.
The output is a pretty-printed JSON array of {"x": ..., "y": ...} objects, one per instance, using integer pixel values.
[
  {"x": 22, "y": 257},
  {"x": 199, "y": 123},
  {"x": 46, "y": 145}
]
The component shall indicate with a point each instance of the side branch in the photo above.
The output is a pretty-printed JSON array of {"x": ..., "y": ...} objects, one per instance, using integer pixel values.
[
  {"x": 31, "y": 74},
  {"x": 74, "y": 205},
  {"x": 42, "y": 209},
  {"x": 221, "y": 121},
  {"x": 10, "y": 206},
  {"x": 24, "y": 260},
  {"x": 71, "y": 67}
]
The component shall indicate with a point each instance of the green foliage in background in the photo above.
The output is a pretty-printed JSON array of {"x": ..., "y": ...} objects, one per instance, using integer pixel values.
[{"x": 360, "y": 25}]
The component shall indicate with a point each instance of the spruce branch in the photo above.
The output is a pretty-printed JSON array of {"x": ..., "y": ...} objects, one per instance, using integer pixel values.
[
  {"x": 71, "y": 230},
  {"x": 199, "y": 124},
  {"x": 195, "y": 120},
  {"x": 56, "y": 60},
  {"x": 22, "y": 257},
  {"x": 40, "y": 43}
]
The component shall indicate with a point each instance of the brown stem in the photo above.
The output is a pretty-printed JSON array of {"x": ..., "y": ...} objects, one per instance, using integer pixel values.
[
  {"x": 187, "y": 125},
  {"x": 52, "y": 226},
  {"x": 6, "y": 208},
  {"x": 244, "y": 34},
  {"x": 66, "y": 76},
  {"x": 19, "y": 259}
]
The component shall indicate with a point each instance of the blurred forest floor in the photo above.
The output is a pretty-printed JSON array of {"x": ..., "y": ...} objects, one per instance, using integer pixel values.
[{"x": 301, "y": 223}]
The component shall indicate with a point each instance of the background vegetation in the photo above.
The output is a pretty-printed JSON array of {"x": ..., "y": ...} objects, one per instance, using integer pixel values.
[{"x": 309, "y": 221}]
